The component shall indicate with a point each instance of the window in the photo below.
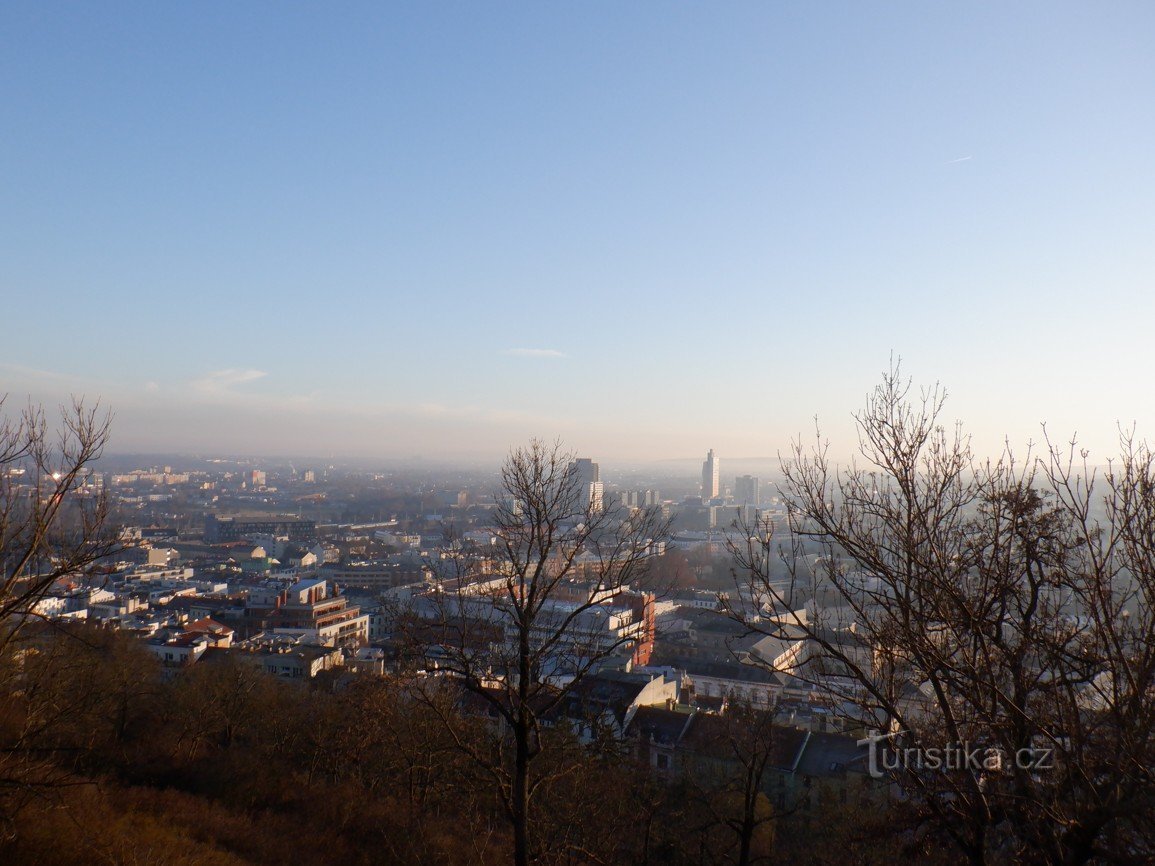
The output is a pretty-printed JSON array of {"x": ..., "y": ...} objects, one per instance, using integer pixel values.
[{"x": 663, "y": 762}]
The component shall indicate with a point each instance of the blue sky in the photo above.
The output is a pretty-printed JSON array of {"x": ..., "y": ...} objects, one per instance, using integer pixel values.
[{"x": 651, "y": 228}]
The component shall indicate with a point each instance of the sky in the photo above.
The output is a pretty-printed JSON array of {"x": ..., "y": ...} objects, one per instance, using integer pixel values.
[{"x": 397, "y": 229}]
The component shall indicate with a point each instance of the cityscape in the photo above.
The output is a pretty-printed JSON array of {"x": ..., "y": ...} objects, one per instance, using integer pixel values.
[{"x": 585, "y": 435}]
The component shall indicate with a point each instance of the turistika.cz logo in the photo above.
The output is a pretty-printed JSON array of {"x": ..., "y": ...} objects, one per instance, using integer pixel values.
[{"x": 884, "y": 757}]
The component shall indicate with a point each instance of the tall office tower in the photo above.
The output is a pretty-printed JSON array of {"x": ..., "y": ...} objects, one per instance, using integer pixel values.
[
  {"x": 710, "y": 488},
  {"x": 746, "y": 490},
  {"x": 590, "y": 482}
]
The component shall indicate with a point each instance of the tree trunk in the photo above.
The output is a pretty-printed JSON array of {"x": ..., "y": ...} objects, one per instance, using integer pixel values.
[
  {"x": 520, "y": 804},
  {"x": 747, "y": 837},
  {"x": 523, "y": 730},
  {"x": 749, "y": 816}
]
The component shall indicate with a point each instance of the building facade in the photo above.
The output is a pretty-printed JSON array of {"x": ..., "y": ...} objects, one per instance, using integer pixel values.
[{"x": 710, "y": 487}]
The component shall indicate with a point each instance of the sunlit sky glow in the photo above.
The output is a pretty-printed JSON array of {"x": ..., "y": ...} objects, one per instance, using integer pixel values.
[{"x": 385, "y": 229}]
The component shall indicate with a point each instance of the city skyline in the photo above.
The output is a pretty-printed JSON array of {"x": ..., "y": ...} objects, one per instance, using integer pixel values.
[{"x": 382, "y": 232}]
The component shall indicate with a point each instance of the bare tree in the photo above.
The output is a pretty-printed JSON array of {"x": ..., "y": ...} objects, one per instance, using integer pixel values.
[
  {"x": 52, "y": 525},
  {"x": 1000, "y": 609},
  {"x": 728, "y": 774},
  {"x": 519, "y": 624}
]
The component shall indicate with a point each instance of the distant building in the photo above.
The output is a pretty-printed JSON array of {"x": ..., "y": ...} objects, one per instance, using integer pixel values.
[
  {"x": 180, "y": 649},
  {"x": 221, "y": 530},
  {"x": 692, "y": 516},
  {"x": 727, "y": 516},
  {"x": 218, "y": 634},
  {"x": 747, "y": 490},
  {"x": 805, "y": 771},
  {"x": 639, "y": 498},
  {"x": 375, "y": 575},
  {"x": 591, "y": 489},
  {"x": 710, "y": 486},
  {"x": 161, "y": 556},
  {"x": 282, "y": 657},
  {"x": 140, "y": 477},
  {"x": 627, "y": 498},
  {"x": 311, "y": 612}
]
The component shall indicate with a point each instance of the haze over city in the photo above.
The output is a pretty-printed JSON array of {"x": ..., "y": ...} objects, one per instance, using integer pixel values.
[
  {"x": 577, "y": 434},
  {"x": 383, "y": 230}
]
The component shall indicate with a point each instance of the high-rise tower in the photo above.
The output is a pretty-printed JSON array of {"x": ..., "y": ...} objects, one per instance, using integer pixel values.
[
  {"x": 710, "y": 488},
  {"x": 589, "y": 479}
]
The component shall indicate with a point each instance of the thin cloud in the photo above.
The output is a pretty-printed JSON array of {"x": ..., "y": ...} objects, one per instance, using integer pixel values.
[
  {"x": 221, "y": 381},
  {"x": 534, "y": 353},
  {"x": 33, "y": 372},
  {"x": 959, "y": 159}
]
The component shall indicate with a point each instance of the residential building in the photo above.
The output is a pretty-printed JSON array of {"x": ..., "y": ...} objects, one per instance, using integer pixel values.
[
  {"x": 309, "y": 611},
  {"x": 221, "y": 530},
  {"x": 747, "y": 490}
]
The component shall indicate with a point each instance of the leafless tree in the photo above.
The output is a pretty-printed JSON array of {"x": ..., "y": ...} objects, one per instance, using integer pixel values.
[
  {"x": 519, "y": 624},
  {"x": 1004, "y": 609},
  {"x": 48, "y": 529},
  {"x": 728, "y": 776},
  {"x": 52, "y": 525}
]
